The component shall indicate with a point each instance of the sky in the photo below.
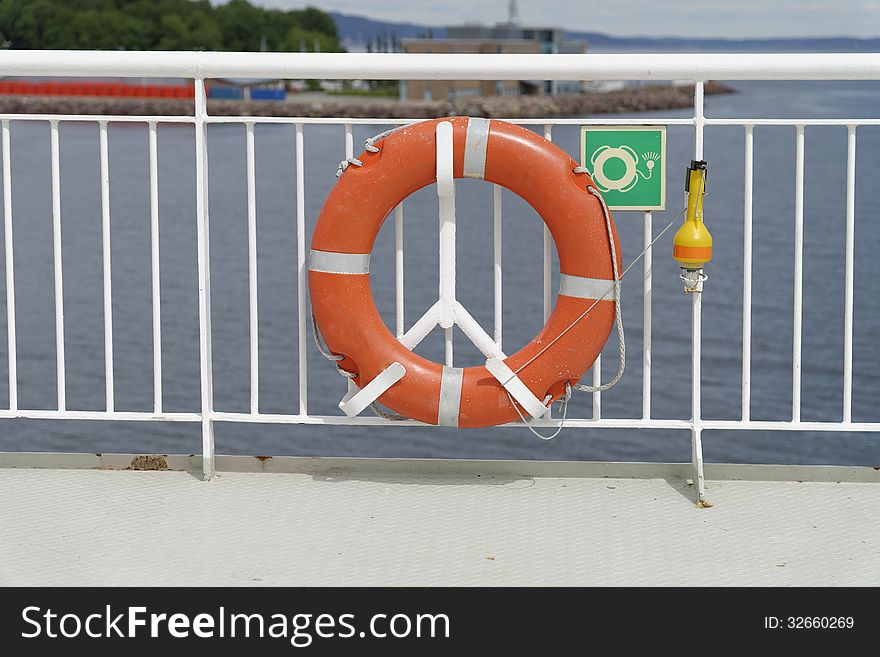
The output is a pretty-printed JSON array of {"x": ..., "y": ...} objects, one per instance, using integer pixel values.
[{"x": 689, "y": 18}]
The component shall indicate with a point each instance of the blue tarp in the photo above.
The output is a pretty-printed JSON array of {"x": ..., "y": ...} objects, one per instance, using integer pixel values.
[
  {"x": 226, "y": 93},
  {"x": 268, "y": 93}
]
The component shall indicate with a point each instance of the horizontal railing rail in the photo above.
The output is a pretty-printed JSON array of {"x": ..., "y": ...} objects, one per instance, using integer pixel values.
[
  {"x": 384, "y": 66},
  {"x": 200, "y": 66}
]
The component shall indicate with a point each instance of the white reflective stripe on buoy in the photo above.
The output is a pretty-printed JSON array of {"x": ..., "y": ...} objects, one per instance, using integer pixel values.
[
  {"x": 332, "y": 262},
  {"x": 475, "y": 143},
  {"x": 517, "y": 389},
  {"x": 450, "y": 396},
  {"x": 354, "y": 404},
  {"x": 586, "y": 288}
]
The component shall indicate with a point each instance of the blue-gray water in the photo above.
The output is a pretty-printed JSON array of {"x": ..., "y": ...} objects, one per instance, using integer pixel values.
[{"x": 276, "y": 203}]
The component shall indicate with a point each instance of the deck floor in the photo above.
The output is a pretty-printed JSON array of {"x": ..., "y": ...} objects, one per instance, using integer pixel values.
[{"x": 379, "y": 526}]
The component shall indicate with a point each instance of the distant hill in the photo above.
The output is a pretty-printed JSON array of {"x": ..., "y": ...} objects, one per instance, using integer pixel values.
[
  {"x": 356, "y": 31},
  {"x": 609, "y": 43}
]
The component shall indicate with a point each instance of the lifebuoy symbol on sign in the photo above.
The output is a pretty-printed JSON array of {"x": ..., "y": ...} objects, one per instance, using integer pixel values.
[{"x": 630, "y": 161}]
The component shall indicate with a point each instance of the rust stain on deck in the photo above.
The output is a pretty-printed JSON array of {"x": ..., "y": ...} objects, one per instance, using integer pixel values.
[{"x": 148, "y": 462}]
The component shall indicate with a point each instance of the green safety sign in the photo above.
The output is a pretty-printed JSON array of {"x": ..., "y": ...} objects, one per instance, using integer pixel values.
[{"x": 628, "y": 164}]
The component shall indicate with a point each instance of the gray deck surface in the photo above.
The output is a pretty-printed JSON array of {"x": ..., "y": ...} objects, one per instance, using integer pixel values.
[{"x": 371, "y": 523}]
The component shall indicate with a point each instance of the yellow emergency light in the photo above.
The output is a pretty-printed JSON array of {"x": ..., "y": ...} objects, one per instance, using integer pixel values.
[{"x": 692, "y": 246}]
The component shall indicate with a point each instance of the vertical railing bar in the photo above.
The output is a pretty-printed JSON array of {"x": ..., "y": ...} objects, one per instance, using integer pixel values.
[
  {"x": 399, "y": 324},
  {"x": 301, "y": 272},
  {"x": 10, "y": 269},
  {"x": 646, "y": 316},
  {"x": 747, "y": 275},
  {"x": 252, "y": 268},
  {"x": 548, "y": 263},
  {"x": 349, "y": 153},
  {"x": 696, "y": 322},
  {"x": 696, "y": 412},
  {"x": 204, "y": 267},
  {"x": 597, "y": 364},
  {"x": 548, "y": 250},
  {"x": 447, "y": 344},
  {"x": 699, "y": 118},
  {"x": 597, "y": 381},
  {"x": 497, "y": 265},
  {"x": 155, "y": 276},
  {"x": 349, "y": 141},
  {"x": 59, "y": 280},
  {"x": 108, "y": 277},
  {"x": 399, "y": 315},
  {"x": 447, "y": 225},
  {"x": 848, "y": 284},
  {"x": 798, "y": 275}
]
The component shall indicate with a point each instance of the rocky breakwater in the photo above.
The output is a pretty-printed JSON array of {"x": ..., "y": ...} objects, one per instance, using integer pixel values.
[{"x": 637, "y": 99}]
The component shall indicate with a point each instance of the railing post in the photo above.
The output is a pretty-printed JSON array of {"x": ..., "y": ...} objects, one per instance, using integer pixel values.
[
  {"x": 302, "y": 274},
  {"x": 498, "y": 290},
  {"x": 748, "y": 187},
  {"x": 399, "y": 314},
  {"x": 59, "y": 277},
  {"x": 646, "y": 316},
  {"x": 155, "y": 278},
  {"x": 547, "y": 261},
  {"x": 798, "y": 316},
  {"x": 446, "y": 199},
  {"x": 696, "y": 326},
  {"x": 253, "y": 293},
  {"x": 204, "y": 267},
  {"x": 849, "y": 271},
  {"x": 696, "y": 420},
  {"x": 108, "y": 277},
  {"x": 351, "y": 387},
  {"x": 10, "y": 269}
]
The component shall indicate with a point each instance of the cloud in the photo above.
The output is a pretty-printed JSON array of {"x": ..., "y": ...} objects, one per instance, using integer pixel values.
[{"x": 713, "y": 18}]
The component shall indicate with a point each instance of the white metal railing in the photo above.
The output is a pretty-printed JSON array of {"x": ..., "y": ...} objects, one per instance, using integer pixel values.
[{"x": 200, "y": 66}]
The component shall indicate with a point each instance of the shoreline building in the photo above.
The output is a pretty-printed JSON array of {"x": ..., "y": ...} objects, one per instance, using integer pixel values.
[{"x": 507, "y": 37}]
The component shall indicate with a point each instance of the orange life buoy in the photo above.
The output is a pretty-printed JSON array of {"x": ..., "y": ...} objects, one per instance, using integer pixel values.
[{"x": 502, "y": 153}]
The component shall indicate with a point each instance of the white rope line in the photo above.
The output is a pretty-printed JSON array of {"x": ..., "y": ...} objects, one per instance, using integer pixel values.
[
  {"x": 621, "y": 340},
  {"x": 347, "y": 375},
  {"x": 385, "y": 415},
  {"x": 564, "y": 401},
  {"x": 325, "y": 352},
  {"x": 614, "y": 289},
  {"x": 619, "y": 320},
  {"x": 395, "y": 417},
  {"x": 615, "y": 286},
  {"x": 329, "y": 355},
  {"x": 370, "y": 145},
  {"x": 609, "y": 289},
  {"x": 343, "y": 166}
]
